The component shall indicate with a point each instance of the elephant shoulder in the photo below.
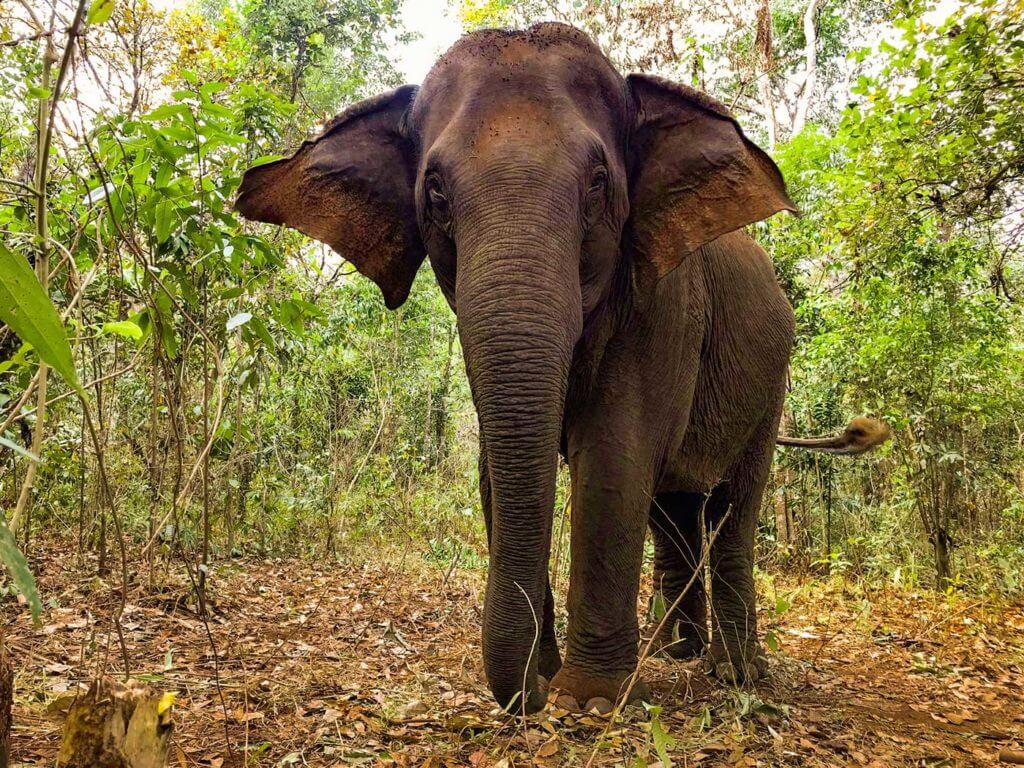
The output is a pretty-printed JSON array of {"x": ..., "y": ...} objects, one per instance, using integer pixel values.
[
  {"x": 741, "y": 275},
  {"x": 749, "y": 311}
]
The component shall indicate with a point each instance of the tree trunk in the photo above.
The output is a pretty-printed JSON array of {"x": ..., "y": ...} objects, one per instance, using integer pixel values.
[
  {"x": 786, "y": 535},
  {"x": 42, "y": 266},
  {"x": 785, "y": 523},
  {"x": 943, "y": 559},
  {"x": 440, "y": 445},
  {"x": 803, "y": 104},
  {"x": 236, "y": 452},
  {"x": 154, "y": 470},
  {"x": 205, "y": 556}
]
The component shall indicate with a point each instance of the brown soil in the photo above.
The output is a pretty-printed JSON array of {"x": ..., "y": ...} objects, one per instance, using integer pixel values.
[{"x": 378, "y": 663}]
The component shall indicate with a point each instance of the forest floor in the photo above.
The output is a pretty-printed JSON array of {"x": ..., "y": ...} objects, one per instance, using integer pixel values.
[{"x": 379, "y": 663}]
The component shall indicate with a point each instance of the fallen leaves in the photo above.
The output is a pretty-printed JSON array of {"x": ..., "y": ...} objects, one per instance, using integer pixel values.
[{"x": 376, "y": 664}]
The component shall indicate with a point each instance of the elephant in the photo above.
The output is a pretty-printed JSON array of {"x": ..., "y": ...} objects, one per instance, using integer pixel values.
[{"x": 587, "y": 230}]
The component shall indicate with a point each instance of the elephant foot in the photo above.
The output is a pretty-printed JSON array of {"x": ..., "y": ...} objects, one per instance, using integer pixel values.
[
  {"x": 578, "y": 689},
  {"x": 685, "y": 645},
  {"x": 536, "y": 700},
  {"x": 735, "y": 665},
  {"x": 549, "y": 661}
]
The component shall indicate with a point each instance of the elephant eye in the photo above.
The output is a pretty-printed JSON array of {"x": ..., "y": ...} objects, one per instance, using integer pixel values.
[
  {"x": 596, "y": 193},
  {"x": 437, "y": 203}
]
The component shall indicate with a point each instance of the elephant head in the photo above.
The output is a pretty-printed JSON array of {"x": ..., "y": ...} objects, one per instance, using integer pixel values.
[{"x": 547, "y": 191}]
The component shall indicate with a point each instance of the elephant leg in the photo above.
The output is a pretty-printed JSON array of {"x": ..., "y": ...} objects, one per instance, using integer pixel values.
[
  {"x": 549, "y": 660},
  {"x": 609, "y": 520},
  {"x": 735, "y": 654},
  {"x": 675, "y": 528}
]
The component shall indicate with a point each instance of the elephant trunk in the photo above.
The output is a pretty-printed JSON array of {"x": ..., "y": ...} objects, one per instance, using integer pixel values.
[{"x": 519, "y": 318}]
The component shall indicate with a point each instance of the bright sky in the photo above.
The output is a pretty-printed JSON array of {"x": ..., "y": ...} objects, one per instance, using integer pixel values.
[{"x": 438, "y": 28}]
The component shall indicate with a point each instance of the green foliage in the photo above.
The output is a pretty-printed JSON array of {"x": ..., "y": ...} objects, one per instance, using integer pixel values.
[
  {"x": 482, "y": 14},
  {"x": 954, "y": 88},
  {"x": 26, "y": 309},
  {"x": 13, "y": 446},
  {"x": 903, "y": 281},
  {"x": 14, "y": 561},
  {"x": 330, "y": 49},
  {"x": 228, "y": 343}
]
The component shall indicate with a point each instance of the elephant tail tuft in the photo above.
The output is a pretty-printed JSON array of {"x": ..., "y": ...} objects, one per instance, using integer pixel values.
[{"x": 860, "y": 436}]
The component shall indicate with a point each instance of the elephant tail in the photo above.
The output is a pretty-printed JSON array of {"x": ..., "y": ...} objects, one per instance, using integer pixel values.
[{"x": 860, "y": 436}]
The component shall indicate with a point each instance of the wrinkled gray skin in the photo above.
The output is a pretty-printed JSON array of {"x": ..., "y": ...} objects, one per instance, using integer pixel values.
[{"x": 587, "y": 230}]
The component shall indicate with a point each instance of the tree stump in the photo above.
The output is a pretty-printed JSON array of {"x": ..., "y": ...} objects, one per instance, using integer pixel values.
[{"x": 117, "y": 725}]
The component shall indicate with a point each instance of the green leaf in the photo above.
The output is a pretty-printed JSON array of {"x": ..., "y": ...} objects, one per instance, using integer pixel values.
[
  {"x": 658, "y": 607},
  {"x": 169, "y": 340},
  {"x": 26, "y": 308},
  {"x": 99, "y": 11},
  {"x": 17, "y": 566},
  {"x": 125, "y": 328},
  {"x": 140, "y": 173},
  {"x": 259, "y": 329},
  {"x": 168, "y": 112},
  {"x": 660, "y": 737},
  {"x": 18, "y": 449},
  {"x": 211, "y": 88},
  {"x": 164, "y": 212},
  {"x": 163, "y": 176}
]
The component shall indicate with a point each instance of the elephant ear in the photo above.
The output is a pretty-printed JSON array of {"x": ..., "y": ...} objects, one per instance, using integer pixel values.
[
  {"x": 352, "y": 188},
  {"x": 693, "y": 174}
]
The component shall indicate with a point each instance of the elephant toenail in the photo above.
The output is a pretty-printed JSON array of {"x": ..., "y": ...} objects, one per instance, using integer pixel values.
[
  {"x": 565, "y": 701},
  {"x": 726, "y": 672},
  {"x": 599, "y": 704}
]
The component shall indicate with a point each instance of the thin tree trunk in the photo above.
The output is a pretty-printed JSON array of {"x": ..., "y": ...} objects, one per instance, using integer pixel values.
[
  {"x": 206, "y": 462},
  {"x": 236, "y": 451},
  {"x": 101, "y": 563},
  {"x": 101, "y": 419},
  {"x": 441, "y": 412},
  {"x": 154, "y": 481},
  {"x": 427, "y": 420},
  {"x": 786, "y": 535},
  {"x": 42, "y": 272},
  {"x": 943, "y": 560},
  {"x": 82, "y": 462},
  {"x": 803, "y": 104}
]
